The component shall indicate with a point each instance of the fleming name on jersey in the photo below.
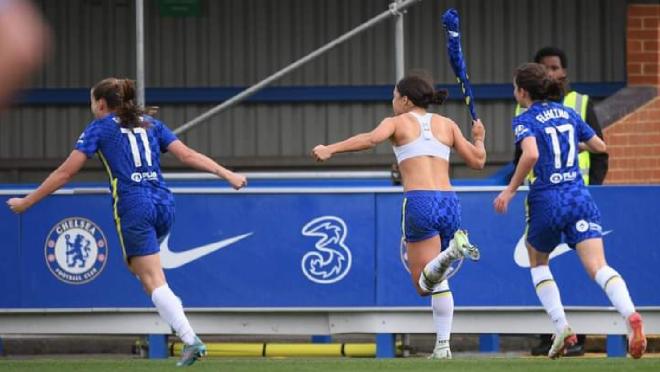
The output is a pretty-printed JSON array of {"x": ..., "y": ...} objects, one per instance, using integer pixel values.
[{"x": 558, "y": 130}]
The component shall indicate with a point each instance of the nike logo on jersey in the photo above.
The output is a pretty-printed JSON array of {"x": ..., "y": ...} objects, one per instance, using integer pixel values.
[
  {"x": 521, "y": 257},
  {"x": 172, "y": 260}
]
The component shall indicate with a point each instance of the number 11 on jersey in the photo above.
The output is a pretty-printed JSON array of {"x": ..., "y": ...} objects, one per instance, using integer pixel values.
[{"x": 134, "y": 146}]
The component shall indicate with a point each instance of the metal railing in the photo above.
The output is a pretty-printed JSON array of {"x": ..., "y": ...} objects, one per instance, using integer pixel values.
[{"x": 396, "y": 9}]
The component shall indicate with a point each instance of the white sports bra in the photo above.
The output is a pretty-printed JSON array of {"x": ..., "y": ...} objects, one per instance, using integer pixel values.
[{"x": 424, "y": 145}]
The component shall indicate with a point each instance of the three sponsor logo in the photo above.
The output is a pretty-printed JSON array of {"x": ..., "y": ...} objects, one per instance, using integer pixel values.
[{"x": 331, "y": 259}]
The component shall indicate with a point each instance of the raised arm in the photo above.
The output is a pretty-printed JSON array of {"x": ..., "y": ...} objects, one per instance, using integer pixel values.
[
  {"x": 473, "y": 153},
  {"x": 60, "y": 177},
  {"x": 359, "y": 142},
  {"x": 199, "y": 161}
]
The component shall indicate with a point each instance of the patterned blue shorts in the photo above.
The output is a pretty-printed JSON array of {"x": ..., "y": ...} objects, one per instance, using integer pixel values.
[
  {"x": 143, "y": 227},
  {"x": 566, "y": 210},
  {"x": 426, "y": 214}
]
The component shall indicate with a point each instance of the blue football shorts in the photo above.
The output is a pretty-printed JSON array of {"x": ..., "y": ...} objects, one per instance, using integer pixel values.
[
  {"x": 428, "y": 213},
  {"x": 143, "y": 226},
  {"x": 562, "y": 210}
]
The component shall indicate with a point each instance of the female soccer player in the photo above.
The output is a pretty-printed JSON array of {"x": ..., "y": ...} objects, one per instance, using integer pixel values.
[
  {"x": 550, "y": 136},
  {"x": 431, "y": 211},
  {"x": 129, "y": 144}
]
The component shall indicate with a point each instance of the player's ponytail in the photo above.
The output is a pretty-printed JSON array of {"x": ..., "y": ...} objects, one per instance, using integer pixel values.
[
  {"x": 553, "y": 89},
  {"x": 534, "y": 78},
  {"x": 119, "y": 95},
  {"x": 129, "y": 113},
  {"x": 418, "y": 87},
  {"x": 439, "y": 97}
]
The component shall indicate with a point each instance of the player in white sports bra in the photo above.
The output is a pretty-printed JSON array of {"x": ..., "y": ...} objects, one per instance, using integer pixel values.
[{"x": 431, "y": 212}]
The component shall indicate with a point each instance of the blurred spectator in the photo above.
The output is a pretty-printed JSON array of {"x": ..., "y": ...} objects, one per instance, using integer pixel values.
[{"x": 24, "y": 40}]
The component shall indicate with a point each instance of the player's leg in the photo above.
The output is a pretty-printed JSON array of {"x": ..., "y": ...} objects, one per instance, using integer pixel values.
[
  {"x": 148, "y": 269},
  {"x": 454, "y": 246},
  {"x": 459, "y": 247},
  {"x": 420, "y": 253},
  {"x": 421, "y": 239},
  {"x": 544, "y": 216},
  {"x": 140, "y": 230},
  {"x": 442, "y": 302},
  {"x": 425, "y": 238},
  {"x": 445, "y": 219},
  {"x": 150, "y": 272},
  {"x": 546, "y": 288},
  {"x": 592, "y": 255},
  {"x": 193, "y": 348},
  {"x": 585, "y": 234},
  {"x": 541, "y": 240},
  {"x": 548, "y": 293}
]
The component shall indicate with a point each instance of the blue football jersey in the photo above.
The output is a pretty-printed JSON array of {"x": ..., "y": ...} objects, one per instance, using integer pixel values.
[
  {"x": 131, "y": 158},
  {"x": 558, "y": 130}
]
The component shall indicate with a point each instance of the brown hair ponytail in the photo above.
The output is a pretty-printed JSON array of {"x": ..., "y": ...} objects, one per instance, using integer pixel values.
[
  {"x": 534, "y": 78},
  {"x": 420, "y": 91},
  {"x": 119, "y": 94}
]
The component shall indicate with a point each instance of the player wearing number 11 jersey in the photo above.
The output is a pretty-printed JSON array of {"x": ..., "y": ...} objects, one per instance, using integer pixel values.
[
  {"x": 558, "y": 203},
  {"x": 129, "y": 144},
  {"x": 131, "y": 157}
]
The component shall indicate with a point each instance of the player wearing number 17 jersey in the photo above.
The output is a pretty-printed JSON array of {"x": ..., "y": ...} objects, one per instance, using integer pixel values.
[
  {"x": 559, "y": 204},
  {"x": 129, "y": 144}
]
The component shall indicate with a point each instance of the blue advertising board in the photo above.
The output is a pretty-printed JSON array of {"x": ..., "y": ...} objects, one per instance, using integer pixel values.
[
  {"x": 305, "y": 249},
  {"x": 10, "y": 231},
  {"x": 502, "y": 277}
]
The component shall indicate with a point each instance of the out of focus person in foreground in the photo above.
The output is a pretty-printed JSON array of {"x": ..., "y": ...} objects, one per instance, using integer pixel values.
[{"x": 24, "y": 42}]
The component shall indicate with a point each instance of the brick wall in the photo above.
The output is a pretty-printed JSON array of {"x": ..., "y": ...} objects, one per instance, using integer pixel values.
[
  {"x": 634, "y": 140},
  {"x": 633, "y": 143},
  {"x": 642, "y": 49}
]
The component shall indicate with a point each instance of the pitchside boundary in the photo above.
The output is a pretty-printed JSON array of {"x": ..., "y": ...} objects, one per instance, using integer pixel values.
[{"x": 493, "y": 297}]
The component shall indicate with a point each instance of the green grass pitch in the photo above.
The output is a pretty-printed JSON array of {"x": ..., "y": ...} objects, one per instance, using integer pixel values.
[{"x": 479, "y": 364}]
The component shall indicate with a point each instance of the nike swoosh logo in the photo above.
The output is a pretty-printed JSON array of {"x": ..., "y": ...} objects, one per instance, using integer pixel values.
[
  {"x": 521, "y": 257},
  {"x": 172, "y": 260}
]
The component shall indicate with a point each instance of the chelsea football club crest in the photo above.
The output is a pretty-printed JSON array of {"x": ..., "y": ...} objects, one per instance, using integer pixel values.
[{"x": 76, "y": 250}]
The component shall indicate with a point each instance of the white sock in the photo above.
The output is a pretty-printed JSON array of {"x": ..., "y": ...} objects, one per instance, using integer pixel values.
[
  {"x": 442, "y": 303},
  {"x": 616, "y": 289},
  {"x": 170, "y": 309},
  {"x": 548, "y": 293},
  {"x": 437, "y": 268}
]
